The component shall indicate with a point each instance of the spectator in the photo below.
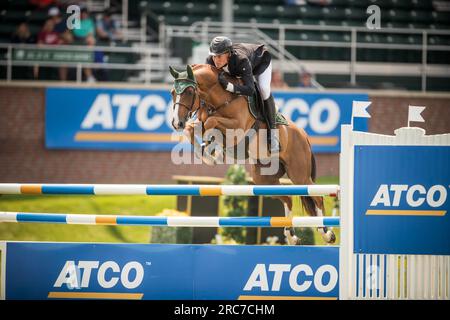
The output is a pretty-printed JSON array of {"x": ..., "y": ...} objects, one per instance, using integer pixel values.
[
  {"x": 320, "y": 2},
  {"x": 99, "y": 57},
  {"x": 107, "y": 28},
  {"x": 47, "y": 36},
  {"x": 22, "y": 34},
  {"x": 64, "y": 34},
  {"x": 60, "y": 23},
  {"x": 41, "y": 4},
  {"x": 306, "y": 80},
  {"x": 278, "y": 81},
  {"x": 85, "y": 35},
  {"x": 443, "y": 6},
  {"x": 90, "y": 41},
  {"x": 87, "y": 27}
]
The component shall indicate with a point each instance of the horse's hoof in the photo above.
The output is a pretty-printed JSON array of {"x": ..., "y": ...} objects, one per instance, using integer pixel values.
[
  {"x": 290, "y": 230},
  {"x": 332, "y": 237},
  {"x": 329, "y": 237},
  {"x": 209, "y": 161},
  {"x": 291, "y": 238}
]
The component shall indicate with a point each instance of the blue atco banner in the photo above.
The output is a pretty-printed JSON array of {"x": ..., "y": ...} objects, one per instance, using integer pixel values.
[
  {"x": 402, "y": 200},
  {"x": 113, "y": 119},
  {"x": 108, "y": 119},
  {"x": 321, "y": 115},
  {"x": 150, "y": 271}
]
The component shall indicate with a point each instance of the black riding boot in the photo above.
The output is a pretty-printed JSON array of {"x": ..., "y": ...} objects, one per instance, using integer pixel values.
[{"x": 271, "y": 111}]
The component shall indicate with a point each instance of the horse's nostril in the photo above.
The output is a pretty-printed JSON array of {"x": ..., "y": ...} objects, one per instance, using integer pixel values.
[{"x": 181, "y": 124}]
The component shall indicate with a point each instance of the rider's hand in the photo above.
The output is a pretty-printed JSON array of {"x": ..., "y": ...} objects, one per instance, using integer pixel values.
[
  {"x": 225, "y": 83},
  {"x": 222, "y": 80}
]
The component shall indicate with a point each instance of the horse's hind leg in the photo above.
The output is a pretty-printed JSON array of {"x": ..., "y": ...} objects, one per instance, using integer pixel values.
[
  {"x": 319, "y": 210},
  {"x": 297, "y": 172},
  {"x": 289, "y": 232},
  {"x": 291, "y": 238}
]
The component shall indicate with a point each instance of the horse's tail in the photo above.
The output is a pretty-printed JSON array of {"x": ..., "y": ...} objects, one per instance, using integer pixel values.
[
  {"x": 309, "y": 205},
  {"x": 313, "y": 167}
]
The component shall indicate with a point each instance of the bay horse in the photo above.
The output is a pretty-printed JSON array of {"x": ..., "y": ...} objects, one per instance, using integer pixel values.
[{"x": 197, "y": 90}]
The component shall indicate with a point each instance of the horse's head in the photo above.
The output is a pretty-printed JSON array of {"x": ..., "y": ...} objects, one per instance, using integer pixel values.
[{"x": 184, "y": 95}]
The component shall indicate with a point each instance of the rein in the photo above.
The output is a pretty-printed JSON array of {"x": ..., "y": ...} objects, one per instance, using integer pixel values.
[{"x": 210, "y": 108}]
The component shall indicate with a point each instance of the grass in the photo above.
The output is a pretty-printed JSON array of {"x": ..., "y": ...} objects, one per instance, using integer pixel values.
[{"x": 120, "y": 205}]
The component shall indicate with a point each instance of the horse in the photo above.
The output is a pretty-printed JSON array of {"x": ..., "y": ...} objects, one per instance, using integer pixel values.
[{"x": 197, "y": 91}]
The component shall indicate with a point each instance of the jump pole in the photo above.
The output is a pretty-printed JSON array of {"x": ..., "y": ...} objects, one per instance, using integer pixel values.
[
  {"x": 168, "y": 189},
  {"x": 90, "y": 219}
]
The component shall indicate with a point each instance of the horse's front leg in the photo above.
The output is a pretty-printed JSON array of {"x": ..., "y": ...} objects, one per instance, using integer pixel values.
[
  {"x": 221, "y": 123},
  {"x": 193, "y": 132},
  {"x": 188, "y": 132},
  {"x": 216, "y": 139}
]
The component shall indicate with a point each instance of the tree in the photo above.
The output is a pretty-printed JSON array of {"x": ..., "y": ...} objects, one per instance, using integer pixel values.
[{"x": 235, "y": 206}]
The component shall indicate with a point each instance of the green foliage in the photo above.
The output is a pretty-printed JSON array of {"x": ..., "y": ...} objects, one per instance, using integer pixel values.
[
  {"x": 172, "y": 234},
  {"x": 235, "y": 206},
  {"x": 306, "y": 235},
  {"x": 181, "y": 235}
]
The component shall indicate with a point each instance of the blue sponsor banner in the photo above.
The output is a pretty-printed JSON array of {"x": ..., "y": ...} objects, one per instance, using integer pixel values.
[
  {"x": 122, "y": 119},
  {"x": 278, "y": 271},
  {"x": 402, "y": 200},
  {"x": 168, "y": 272},
  {"x": 109, "y": 119},
  {"x": 321, "y": 116}
]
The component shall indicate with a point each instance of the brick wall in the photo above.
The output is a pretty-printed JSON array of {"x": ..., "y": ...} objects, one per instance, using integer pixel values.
[{"x": 23, "y": 157}]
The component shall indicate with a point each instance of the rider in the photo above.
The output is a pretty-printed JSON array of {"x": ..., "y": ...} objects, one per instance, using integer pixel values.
[{"x": 245, "y": 60}]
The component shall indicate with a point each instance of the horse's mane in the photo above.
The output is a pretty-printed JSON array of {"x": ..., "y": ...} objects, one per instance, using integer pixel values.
[{"x": 207, "y": 68}]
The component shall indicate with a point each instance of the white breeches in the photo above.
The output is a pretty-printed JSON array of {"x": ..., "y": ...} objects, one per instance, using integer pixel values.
[{"x": 264, "y": 80}]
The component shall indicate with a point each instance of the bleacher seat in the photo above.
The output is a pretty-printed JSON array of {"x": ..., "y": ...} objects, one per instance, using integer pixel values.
[
  {"x": 422, "y": 4},
  {"x": 411, "y": 14},
  {"x": 310, "y": 12},
  {"x": 355, "y": 14}
]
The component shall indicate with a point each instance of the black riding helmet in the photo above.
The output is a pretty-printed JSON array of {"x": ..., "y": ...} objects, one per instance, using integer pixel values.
[{"x": 219, "y": 45}]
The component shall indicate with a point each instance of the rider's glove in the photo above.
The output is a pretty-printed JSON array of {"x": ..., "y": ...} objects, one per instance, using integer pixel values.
[{"x": 224, "y": 83}]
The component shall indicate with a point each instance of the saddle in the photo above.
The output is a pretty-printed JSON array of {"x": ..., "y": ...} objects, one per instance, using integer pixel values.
[{"x": 257, "y": 109}]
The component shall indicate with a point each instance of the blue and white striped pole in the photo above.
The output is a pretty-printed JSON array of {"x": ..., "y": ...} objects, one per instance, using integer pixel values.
[{"x": 169, "y": 221}]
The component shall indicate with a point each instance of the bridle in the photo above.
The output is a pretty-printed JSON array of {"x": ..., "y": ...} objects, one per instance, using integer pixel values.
[
  {"x": 192, "y": 84},
  {"x": 210, "y": 108}
]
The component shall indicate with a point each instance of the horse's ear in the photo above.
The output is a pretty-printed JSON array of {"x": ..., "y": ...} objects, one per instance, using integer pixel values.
[
  {"x": 190, "y": 73},
  {"x": 174, "y": 72}
]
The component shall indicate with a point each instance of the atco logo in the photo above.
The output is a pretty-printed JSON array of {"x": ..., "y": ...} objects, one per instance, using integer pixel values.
[
  {"x": 301, "y": 277},
  {"x": 109, "y": 273},
  {"x": 150, "y": 112},
  {"x": 392, "y": 200},
  {"x": 114, "y": 112},
  {"x": 322, "y": 116}
]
